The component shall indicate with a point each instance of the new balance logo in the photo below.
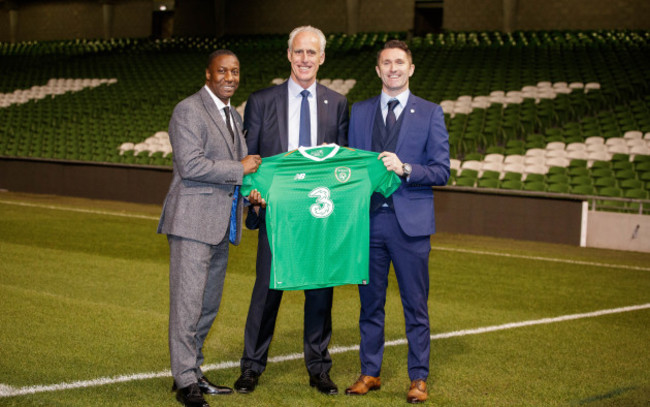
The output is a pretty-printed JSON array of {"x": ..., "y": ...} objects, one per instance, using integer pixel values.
[{"x": 299, "y": 176}]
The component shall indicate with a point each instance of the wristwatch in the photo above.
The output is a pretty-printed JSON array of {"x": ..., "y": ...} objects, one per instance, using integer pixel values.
[{"x": 406, "y": 167}]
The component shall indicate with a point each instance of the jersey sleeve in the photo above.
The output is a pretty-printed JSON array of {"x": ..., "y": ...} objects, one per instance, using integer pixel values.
[
  {"x": 383, "y": 181},
  {"x": 260, "y": 180}
]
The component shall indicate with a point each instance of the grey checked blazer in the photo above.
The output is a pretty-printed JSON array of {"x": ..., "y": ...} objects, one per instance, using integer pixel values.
[{"x": 207, "y": 168}]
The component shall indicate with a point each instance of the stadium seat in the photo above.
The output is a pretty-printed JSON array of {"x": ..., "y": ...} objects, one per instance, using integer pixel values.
[
  {"x": 557, "y": 179},
  {"x": 535, "y": 186},
  {"x": 602, "y": 172},
  {"x": 627, "y": 184},
  {"x": 558, "y": 188},
  {"x": 512, "y": 176},
  {"x": 557, "y": 170},
  {"x": 488, "y": 183},
  {"x": 605, "y": 182},
  {"x": 466, "y": 181},
  {"x": 511, "y": 184},
  {"x": 533, "y": 177},
  {"x": 583, "y": 190}
]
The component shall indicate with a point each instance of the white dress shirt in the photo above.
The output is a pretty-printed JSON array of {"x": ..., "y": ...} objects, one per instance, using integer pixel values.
[
  {"x": 402, "y": 98},
  {"x": 220, "y": 106}
]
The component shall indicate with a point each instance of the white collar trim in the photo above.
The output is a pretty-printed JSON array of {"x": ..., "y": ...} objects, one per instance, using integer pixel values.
[{"x": 305, "y": 151}]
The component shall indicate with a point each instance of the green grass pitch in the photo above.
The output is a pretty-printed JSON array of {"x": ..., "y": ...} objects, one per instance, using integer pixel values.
[{"x": 84, "y": 304}]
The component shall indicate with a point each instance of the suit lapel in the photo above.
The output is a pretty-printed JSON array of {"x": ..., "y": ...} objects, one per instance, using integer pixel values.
[
  {"x": 322, "y": 110},
  {"x": 282, "y": 113},
  {"x": 408, "y": 110},
  {"x": 240, "y": 141},
  {"x": 370, "y": 122},
  {"x": 218, "y": 121}
]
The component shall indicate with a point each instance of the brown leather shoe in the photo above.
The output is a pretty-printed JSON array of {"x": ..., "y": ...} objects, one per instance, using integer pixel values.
[
  {"x": 418, "y": 392},
  {"x": 363, "y": 385}
]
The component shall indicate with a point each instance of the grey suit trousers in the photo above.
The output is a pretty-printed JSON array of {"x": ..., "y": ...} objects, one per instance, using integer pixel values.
[{"x": 194, "y": 298}]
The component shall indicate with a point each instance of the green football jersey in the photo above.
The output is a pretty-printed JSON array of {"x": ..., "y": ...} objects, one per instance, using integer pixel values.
[{"x": 318, "y": 213}]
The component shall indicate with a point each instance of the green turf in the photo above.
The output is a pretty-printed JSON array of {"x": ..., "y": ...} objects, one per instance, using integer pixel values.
[{"x": 84, "y": 296}]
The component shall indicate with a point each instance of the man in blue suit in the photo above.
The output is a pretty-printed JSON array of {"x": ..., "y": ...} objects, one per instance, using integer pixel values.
[
  {"x": 410, "y": 133},
  {"x": 273, "y": 122}
]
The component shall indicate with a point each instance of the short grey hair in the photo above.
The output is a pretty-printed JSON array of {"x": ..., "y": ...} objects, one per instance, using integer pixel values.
[{"x": 308, "y": 28}]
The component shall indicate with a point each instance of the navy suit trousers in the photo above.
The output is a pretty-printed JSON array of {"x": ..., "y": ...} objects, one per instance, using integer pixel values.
[{"x": 410, "y": 258}]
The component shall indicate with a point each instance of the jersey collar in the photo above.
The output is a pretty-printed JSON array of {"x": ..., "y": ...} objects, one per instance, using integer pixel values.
[{"x": 305, "y": 151}]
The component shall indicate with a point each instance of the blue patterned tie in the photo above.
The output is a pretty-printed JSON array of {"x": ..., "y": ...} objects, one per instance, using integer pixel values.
[
  {"x": 233, "y": 217},
  {"x": 304, "y": 137},
  {"x": 390, "y": 116}
]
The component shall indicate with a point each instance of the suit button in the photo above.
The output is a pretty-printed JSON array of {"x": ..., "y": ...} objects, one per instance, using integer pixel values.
[{"x": 230, "y": 194}]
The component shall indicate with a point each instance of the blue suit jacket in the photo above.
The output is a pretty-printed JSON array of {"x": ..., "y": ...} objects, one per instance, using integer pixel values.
[{"x": 423, "y": 142}]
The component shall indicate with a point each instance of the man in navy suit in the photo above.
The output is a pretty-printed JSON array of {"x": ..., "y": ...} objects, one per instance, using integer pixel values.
[
  {"x": 272, "y": 122},
  {"x": 410, "y": 133}
]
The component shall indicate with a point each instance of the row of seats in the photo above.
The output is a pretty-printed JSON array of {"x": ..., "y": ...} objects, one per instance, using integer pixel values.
[{"x": 540, "y": 98}]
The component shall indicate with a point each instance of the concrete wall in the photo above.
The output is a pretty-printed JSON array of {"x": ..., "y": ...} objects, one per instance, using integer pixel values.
[
  {"x": 62, "y": 20},
  {"x": 489, "y": 214},
  {"x": 514, "y": 215},
  {"x": 620, "y": 231},
  {"x": 521, "y": 216},
  {"x": 546, "y": 15},
  {"x": 59, "y": 19},
  {"x": 87, "y": 180},
  {"x": 281, "y": 16}
]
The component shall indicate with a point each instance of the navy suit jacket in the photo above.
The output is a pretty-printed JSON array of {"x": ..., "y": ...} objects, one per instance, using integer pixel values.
[
  {"x": 267, "y": 130},
  {"x": 423, "y": 142},
  {"x": 267, "y": 114}
]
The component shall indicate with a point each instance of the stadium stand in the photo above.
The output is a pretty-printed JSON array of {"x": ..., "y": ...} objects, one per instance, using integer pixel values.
[{"x": 554, "y": 111}]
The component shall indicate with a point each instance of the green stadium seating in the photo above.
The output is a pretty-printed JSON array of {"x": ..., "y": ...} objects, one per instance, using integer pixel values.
[
  {"x": 559, "y": 188},
  {"x": 511, "y": 184},
  {"x": 610, "y": 101}
]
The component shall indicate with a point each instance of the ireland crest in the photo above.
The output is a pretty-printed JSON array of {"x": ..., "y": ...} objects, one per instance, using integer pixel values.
[{"x": 342, "y": 174}]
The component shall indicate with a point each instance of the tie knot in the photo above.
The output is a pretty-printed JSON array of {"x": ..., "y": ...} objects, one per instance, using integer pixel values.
[
  {"x": 305, "y": 93},
  {"x": 392, "y": 103},
  {"x": 226, "y": 109}
]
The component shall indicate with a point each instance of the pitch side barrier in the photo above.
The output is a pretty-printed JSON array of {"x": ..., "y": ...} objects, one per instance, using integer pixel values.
[{"x": 523, "y": 215}]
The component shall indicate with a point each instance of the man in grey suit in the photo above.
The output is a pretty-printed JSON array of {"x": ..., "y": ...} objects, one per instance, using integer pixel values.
[
  {"x": 210, "y": 160},
  {"x": 274, "y": 123}
]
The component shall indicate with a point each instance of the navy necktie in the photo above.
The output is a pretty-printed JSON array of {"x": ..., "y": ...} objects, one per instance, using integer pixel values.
[
  {"x": 304, "y": 136},
  {"x": 390, "y": 116},
  {"x": 227, "y": 111}
]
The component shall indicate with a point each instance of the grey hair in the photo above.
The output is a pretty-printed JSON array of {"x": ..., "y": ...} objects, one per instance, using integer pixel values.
[{"x": 308, "y": 28}]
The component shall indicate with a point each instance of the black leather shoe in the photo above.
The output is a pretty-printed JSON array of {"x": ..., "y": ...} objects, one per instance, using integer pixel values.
[
  {"x": 211, "y": 388},
  {"x": 191, "y": 396},
  {"x": 324, "y": 384},
  {"x": 247, "y": 381}
]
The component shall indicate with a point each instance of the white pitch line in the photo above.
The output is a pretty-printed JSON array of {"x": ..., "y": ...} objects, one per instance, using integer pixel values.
[
  {"x": 551, "y": 259},
  {"x": 9, "y": 391},
  {"x": 90, "y": 211},
  {"x": 448, "y": 249}
]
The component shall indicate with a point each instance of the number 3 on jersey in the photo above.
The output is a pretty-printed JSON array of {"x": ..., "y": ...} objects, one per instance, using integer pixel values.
[{"x": 324, "y": 205}]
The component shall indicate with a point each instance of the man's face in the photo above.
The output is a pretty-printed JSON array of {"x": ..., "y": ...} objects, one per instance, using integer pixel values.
[
  {"x": 394, "y": 70},
  {"x": 222, "y": 76},
  {"x": 305, "y": 57}
]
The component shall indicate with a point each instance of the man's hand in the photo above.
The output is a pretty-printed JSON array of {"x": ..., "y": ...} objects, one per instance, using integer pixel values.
[
  {"x": 251, "y": 163},
  {"x": 255, "y": 198},
  {"x": 392, "y": 162}
]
